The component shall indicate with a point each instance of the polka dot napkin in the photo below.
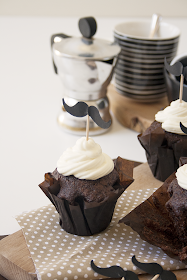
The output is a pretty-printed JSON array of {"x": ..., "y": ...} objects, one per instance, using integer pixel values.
[{"x": 60, "y": 255}]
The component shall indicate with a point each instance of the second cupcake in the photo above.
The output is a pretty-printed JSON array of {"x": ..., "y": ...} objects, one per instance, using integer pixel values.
[{"x": 164, "y": 142}]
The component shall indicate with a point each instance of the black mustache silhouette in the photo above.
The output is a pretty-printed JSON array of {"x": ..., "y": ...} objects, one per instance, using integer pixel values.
[
  {"x": 118, "y": 272},
  {"x": 176, "y": 69},
  {"x": 183, "y": 128},
  {"x": 81, "y": 109},
  {"x": 114, "y": 272},
  {"x": 78, "y": 110},
  {"x": 154, "y": 269}
]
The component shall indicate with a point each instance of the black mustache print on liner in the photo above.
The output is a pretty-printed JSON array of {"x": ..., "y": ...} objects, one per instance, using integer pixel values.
[
  {"x": 183, "y": 128},
  {"x": 81, "y": 109},
  {"x": 176, "y": 69},
  {"x": 114, "y": 272},
  {"x": 154, "y": 269}
]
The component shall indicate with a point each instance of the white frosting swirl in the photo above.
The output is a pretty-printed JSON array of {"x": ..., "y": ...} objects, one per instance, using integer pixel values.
[
  {"x": 181, "y": 175},
  {"x": 172, "y": 115},
  {"x": 85, "y": 160}
]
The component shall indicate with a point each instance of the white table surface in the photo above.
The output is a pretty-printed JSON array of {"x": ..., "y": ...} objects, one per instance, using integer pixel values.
[{"x": 30, "y": 97}]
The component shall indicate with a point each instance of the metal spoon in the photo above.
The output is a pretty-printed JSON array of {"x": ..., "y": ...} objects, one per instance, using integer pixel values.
[{"x": 154, "y": 25}]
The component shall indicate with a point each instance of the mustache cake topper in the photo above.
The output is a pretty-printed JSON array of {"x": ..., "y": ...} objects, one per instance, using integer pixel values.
[
  {"x": 183, "y": 128},
  {"x": 81, "y": 109},
  {"x": 114, "y": 272},
  {"x": 177, "y": 69},
  {"x": 118, "y": 272},
  {"x": 154, "y": 269}
]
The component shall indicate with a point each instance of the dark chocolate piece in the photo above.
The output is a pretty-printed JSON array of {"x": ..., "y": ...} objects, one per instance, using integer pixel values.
[
  {"x": 177, "y": 209},
  {"x": 161, "y": 219}
]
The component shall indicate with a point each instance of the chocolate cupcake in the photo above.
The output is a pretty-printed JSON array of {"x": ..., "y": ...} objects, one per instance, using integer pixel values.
[
  {"x": 161, "y": 219},
  {"x": 85, "y": 187},
  {"x": 164, "y": 142}
]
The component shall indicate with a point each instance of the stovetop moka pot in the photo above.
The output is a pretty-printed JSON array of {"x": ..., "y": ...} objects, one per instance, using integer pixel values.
[{"x": 85, "y": 66}]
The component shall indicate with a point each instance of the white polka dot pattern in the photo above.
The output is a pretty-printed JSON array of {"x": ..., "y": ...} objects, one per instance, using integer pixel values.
[{"x": 60, "y": 255}]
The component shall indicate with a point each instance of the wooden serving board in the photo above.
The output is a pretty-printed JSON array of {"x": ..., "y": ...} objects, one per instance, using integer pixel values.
[
  {"x": 133, "y": 114},
  {"x": 15, "y": 259}
]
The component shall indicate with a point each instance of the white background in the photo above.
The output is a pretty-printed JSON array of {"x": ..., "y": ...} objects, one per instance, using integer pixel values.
[{"x": 106, "y": 8}]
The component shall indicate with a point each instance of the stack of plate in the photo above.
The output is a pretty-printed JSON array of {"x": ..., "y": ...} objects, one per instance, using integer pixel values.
[{"x": 139, "y": 72}]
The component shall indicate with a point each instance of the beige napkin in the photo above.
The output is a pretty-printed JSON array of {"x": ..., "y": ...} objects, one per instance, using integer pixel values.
[{"x": 60, "y": 255}]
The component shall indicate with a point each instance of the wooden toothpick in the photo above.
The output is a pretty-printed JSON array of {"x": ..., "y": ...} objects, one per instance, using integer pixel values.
[
  {"x": 155, "y": 277},
  {"x": 87, "y": 127},
  {"x": 181, "y": 88}
]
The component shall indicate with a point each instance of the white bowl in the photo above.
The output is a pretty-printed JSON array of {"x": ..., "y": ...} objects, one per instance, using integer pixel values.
[{"x": 140, "y": 29}]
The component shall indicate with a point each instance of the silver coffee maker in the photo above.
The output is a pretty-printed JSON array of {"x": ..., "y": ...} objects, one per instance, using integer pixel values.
[{"x": 85, "y": 66}]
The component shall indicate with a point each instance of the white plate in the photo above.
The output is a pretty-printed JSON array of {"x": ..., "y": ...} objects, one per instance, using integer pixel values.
[{"x": 140, "y": 29}]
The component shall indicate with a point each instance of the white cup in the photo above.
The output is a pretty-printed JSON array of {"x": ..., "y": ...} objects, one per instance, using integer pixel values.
[{"x": 140, "y": 29}]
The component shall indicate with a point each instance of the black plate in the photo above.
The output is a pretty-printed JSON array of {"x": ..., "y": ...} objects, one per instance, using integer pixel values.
[
  {"x": 140, "y": 91},
  {"x": 144, "y": 60},
  {"x": 142, "y": 98},
  {"x": 133, "y": 80},
  {"x": 138, "y": 45},
  {"x": 123, "y": 67},
  {"x": 142, "y": 65},
  {"x": 147, "y": 42},
  {"x": 144, "y": 87},
  {"x": 131, "y": 74}
]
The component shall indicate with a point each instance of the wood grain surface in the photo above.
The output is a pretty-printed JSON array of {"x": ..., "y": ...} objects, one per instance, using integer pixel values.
[
  {"x": 1, "y": 237},
  {"x": 15, "y": 259},
  {"x": 16, "y": 262},
  {"x": 133, "y": 114}
]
